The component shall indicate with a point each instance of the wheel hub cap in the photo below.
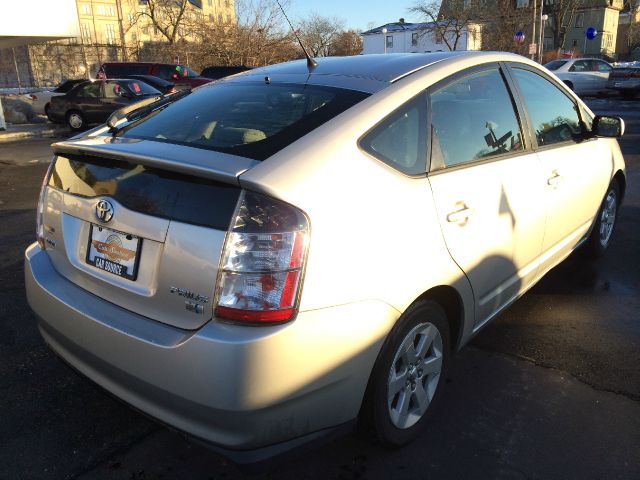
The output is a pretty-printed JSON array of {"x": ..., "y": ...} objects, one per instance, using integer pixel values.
[
  {"x": 608, "y": 218},
  {"x": 414, "y": 375}
]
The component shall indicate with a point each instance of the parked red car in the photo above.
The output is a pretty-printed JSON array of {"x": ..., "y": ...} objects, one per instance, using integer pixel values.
[{"x": 181, "y": 75}]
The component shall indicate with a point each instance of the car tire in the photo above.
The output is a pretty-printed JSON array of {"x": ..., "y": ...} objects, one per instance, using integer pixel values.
[
  {"x": 47, "y": 107},
  {"x": 75, "y": 120},
  {"x": 406, "y": 385},
  {"x": 569, "y": 84},
  {"x": 606, "y": 219}
]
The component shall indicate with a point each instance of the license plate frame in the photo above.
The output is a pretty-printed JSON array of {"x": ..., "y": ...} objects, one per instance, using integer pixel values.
[{"x": 99, "y": 260}]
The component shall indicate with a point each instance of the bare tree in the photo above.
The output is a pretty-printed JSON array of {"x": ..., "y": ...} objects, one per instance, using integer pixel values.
[
  {"x": 319, "y": 33},
  {"x": 450, "y": 20},
  {"x": 561, "y": 18},
  {"x": 168, "y": 17},
  {"x": 259, "y": 37},
  {"x": 348, "y": 42}
]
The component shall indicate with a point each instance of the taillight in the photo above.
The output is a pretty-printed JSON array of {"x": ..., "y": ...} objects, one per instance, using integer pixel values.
[
  {"x": 40, "y": 210},
  {"x": 263, "y": 261}
]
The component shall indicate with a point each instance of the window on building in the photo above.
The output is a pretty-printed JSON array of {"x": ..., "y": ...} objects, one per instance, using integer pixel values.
[
  {"x": 212, "y": 17},
  {"x": 438, "y": 36},
  {"x": 414, "y": 39},
  {"x": 478, "y": 108},
  {"x": 210, "y": 3},
  {"x": 132, "y": 18},
  {"x": 579, "y": 20},
  {"x": 111, "y": 11},
  {"x": 134, "y": 37},
  {"x": 389, "y": 41},
  {"x": 219, "y": 18},
  {"x": 85, "y": 31},
  {"x": 102, "y": 10},
  {"x": 86, "y": 9},
  {"x": 228, "y": 18},
  {"x": 226, "y": 3},
  {"x": 522, "y": 3},
  {"x": 145, "y": 30},
  {"x": 110, "y": 33}
]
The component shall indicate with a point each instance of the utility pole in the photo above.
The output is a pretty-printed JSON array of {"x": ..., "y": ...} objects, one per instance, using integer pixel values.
[
  {"x": 533, "y": 29},
  {"x": 123, "y": 40}
]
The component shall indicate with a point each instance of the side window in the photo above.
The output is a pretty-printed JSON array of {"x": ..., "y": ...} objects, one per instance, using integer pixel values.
[
  {"x": 554, "y": 116},
  {"x": 90, "y": 90},
  {"x": 579, "y": 66},
  {"x": 166, "y": 72},
  {"x": 473, "y": 118},
  {"x": 114, "y": 89},
  {"x": 399, "y": 140},
  {"x": 602, "y": 67}
]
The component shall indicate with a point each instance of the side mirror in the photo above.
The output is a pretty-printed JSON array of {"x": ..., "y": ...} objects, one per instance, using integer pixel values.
[{"x": 605, "y": 126}]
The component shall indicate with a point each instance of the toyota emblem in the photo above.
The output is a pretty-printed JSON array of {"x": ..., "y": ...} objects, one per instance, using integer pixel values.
[{"x": 104, "y": 211}]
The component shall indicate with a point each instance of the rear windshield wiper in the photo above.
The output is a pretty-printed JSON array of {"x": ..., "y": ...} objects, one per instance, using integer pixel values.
[{"x": 141, "y": 109}]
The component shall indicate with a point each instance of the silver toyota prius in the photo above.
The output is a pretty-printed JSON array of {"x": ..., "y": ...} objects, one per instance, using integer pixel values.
[{"x": 291, "y": 250}]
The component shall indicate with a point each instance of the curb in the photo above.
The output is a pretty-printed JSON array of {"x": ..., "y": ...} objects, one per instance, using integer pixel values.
[{"x": 11, "y": 136}]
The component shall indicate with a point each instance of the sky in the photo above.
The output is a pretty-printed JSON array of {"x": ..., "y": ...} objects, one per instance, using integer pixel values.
[{"x": 358, "y": 14}]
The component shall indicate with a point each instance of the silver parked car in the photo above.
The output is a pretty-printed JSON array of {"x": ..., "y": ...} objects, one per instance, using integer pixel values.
[
  {"x": 585, "y": 76},
  {"x": 276, "y": 255}
]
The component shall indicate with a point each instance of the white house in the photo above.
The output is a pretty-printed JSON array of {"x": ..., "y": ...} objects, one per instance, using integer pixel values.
[{"x": 402, "y": 37}]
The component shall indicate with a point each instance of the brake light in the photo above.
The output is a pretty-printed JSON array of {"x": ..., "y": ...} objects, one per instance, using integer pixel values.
[
  {"x": 40, "y": 210},
  {"x": 263, "y": 261}
]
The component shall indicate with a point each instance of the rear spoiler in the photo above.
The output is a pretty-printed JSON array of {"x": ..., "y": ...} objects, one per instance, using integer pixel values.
[{"x": 166, "y": 156}]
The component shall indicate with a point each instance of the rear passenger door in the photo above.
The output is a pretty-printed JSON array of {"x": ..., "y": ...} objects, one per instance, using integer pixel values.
[
  {"x": 576, "y": 171},
  {"x": 487, "y": 186}
]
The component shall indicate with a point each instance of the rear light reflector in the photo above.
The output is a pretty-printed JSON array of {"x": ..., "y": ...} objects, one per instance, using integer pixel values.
[
  {"x": 262, "y": 262},
  {"x": 40, "y": 209}
]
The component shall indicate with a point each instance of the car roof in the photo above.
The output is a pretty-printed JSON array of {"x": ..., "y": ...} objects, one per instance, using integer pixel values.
[{"x": 368, "y": 73}]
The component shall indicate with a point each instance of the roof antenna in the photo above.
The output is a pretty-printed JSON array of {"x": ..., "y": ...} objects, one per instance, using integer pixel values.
[{"x": 311, "y": 63}]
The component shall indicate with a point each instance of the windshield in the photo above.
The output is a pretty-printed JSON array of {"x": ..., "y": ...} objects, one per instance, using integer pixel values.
[
  {"x": 253, "y": 120},
  {"x": 556, "y": 64}
]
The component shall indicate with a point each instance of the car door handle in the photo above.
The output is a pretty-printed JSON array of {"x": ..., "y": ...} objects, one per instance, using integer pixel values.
[
  {"x": 555, "y": 180},
  {"x": 460, "y": 216}
]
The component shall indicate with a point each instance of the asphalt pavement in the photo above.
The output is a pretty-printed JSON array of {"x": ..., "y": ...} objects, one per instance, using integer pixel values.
[{"x": 549, "y": 389}]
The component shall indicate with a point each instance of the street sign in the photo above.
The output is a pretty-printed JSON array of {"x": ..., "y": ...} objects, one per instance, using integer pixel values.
[{"x": 533, "y": 48}]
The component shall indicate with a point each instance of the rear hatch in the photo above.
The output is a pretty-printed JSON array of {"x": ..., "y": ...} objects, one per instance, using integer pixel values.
[{"x": 141, "y": 232}]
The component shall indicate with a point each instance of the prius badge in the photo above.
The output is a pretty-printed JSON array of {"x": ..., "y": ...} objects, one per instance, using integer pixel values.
[{"x": 104, "y": 211}]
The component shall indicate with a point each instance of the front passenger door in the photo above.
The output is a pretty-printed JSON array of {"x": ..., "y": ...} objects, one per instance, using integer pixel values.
[{"x": 576, "y": 171}]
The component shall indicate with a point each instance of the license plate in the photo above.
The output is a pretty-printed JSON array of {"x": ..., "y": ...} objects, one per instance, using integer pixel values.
[{"x": 114, "y": 252}]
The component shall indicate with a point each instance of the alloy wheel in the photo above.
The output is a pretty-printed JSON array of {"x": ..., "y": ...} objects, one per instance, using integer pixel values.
[
  {"x": 608, "y": 218},
  {"x": 414, "y": 375}
]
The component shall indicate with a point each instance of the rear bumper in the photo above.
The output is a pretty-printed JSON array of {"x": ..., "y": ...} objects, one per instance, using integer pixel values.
[{"x": 253, "y": 391}]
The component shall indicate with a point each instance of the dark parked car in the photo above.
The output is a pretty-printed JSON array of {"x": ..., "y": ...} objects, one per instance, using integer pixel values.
[
  {"x": 181, "y": 75},
  {"x": 165, "y": 87},
  {"x": 214, "y": 73},
  {"x": 94, "y": 101},
  {"x": 626, "y": 81}
]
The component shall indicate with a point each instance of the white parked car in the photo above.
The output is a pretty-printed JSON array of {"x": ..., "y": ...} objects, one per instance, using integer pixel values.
[
  {"x": 585, "y": 76},
  {"x": 41, "y": 101}
]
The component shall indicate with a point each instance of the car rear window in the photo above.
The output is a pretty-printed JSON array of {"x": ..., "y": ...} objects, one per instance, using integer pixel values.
[
  {"x": 253, "y": 120},
  {"x": 555, "y": 64},
  {"x": 148, "y": 190},
  {"x": 141, "y": 88}
]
